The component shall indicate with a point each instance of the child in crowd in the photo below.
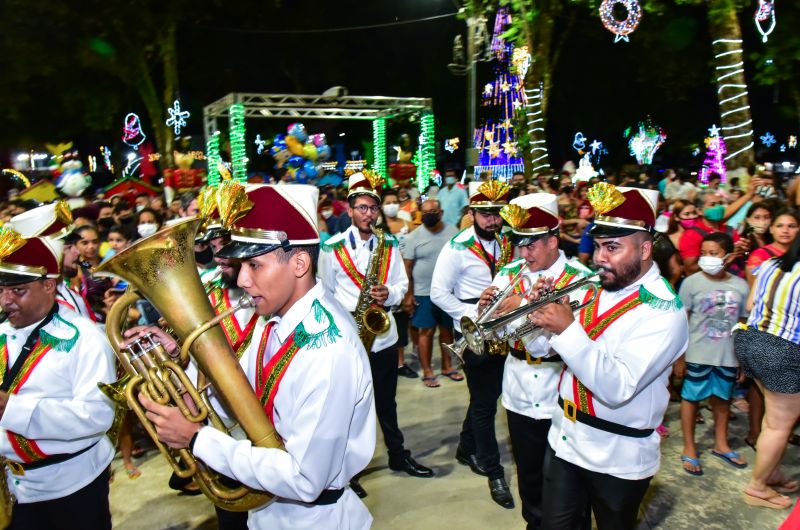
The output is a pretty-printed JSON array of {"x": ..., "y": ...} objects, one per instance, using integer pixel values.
[{"x": 715, "y": 300}]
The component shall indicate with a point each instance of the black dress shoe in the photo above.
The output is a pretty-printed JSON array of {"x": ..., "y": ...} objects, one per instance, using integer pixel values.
[
  {"x": 469, "y": 460},
  {"x": 406, "y": 371},
  {"x": 498, "y": 488},
  {"x": 355, "y": 485},
  {"x": 412, "y": 467}
]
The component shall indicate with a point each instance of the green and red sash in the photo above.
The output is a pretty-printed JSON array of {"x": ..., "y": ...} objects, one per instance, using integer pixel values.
[
  {"x": 269, "y": 376},
  {"x": 349, "y": 266},
  {"x": 237, "y": 337},
  {"x": 476, "y": 248},
  {"x": 595, "y": 325},
  {"x": 27, "y": 450}
]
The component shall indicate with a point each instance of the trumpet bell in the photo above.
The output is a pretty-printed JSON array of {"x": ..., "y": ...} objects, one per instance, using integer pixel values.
[{"x": 473, "y": 336}]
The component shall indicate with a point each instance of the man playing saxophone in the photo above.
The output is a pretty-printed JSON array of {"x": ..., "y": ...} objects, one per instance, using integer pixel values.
[
  {"x": 344, "y": 262},
  {"x": 463, "y": 270},
  {"x": 307, "y": 367},
  {"x": 530, "y": 378},
  {"x": 53, "y": 417}
]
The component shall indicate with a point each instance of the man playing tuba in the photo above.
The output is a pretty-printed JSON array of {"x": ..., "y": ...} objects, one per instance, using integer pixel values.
[{"x": 307, "y": 367}]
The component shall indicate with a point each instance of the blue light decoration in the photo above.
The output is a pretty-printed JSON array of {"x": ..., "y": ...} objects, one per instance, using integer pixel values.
[
  {"x": 260, "y": 144},
  {"x": 579, "y": 142},
  {"x": 495, "y": 138},
  {"x": 713, "y": 131},
  {"x": 595, "y": 146},
  {"x": 768, "y": 140},
  {"x": 783, "y": 148},
  {"x": 177, "y": 117},
  {"x": 132, "y": 133}
]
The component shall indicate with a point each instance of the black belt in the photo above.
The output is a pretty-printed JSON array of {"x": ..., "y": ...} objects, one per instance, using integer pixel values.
[
  {"x": 328, "y": 497},
  {"x": 469, "y": 300},
  {"x": 572, "y": 412},
  {"x": 50, "y": 460},
  {"x": 522, "y": 356}
]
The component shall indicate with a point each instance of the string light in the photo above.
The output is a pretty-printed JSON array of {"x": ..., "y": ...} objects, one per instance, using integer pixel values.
[
  {"x": 260, "y": 144},
  {"x": 715, "y": 158},
  {"x": 132, "y": 130},
  {"x": 768, "y": 140},
  {"x": 379, "y": 145},
  {"x": 620, "y": 28},
  {"x": 107, "y": 158},
  {"x": 765, "y": 11},
  {"x": 579, "y": 142},
  {"x": 535, "y": 122},
  {"x": 354, "y": 166},
  {"x": 725, "y": 71},
  {"x": 133, "y": 165},
  {"x": 177, "y": 117},
  {"x": 427, "y": 150},
  {"x": 238, "y": 150},
  {"x": 213, "y": 159},
  {"x": 644, "y": 143},
  {"x": 92, "y": 163}
]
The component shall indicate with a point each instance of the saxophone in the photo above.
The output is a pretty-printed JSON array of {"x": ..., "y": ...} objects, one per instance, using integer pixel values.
[
  {"x": 371, "y": 319},
  {"x": 500, "y": 347}
]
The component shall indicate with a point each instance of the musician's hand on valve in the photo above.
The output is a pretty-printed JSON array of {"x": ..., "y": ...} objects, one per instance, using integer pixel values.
[
  {"x": 379, "y": 293},
  {"x": 553, "y": 317},
  {"x": 136, "y": 332},
  {"x": 487, "y": 296},
  {"x": 542, "y": 286},
  {"x": 172, "y": 427}
]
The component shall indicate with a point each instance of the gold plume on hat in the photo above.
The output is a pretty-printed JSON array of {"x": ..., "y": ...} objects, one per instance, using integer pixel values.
[
  {"x": 494, "y": 190},
  {"x": 224, "y": 172},
  {"x": 207, "y": 202},
  {"x": 375, "y": 180},
  {"x": 10, "y": 242},
  {"x": 63, "y": 213},
  {"x": 515, "y": 215},
  {"x": 604, "y": 197},
  {"x": 232, "y": 203}
]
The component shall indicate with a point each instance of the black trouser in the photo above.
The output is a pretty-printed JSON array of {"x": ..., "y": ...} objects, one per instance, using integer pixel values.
[
  {"x": 230, "y": 520},
  {"x": 485, "y": 382},
  {"x": 528, "y": 445},
  {"x": 570, "y": 489},
  {"x": 384, "y": 383},
  {"x": 86, "y": 509}
]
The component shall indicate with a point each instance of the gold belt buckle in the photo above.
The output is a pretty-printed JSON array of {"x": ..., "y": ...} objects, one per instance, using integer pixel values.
[
  {"x": 570, "y": 410},
  {"x": 15, "y": 467},
  {"x": 531, "y": 360}
]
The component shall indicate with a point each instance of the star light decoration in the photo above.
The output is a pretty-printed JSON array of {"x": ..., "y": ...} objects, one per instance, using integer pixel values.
[
  {"x": 177, "y": 117},
  {"x": 494, "y": 149},
  {"x": 510, "y": 148},
  {"x": 505, "y": 86},
  {"x": 451, "y": 144},
  {"x": 487, "y": 90},
  {"x": 713, "y": 130},
  {"x": 768, "y": 140},
  {"x": 596, "y": 146},
  {"x": 260, "y": 144},
  {"x": 620, "y": 28}
]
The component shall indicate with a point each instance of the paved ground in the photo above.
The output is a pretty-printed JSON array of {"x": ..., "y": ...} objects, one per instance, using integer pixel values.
[{"x": 430, "y": 419}]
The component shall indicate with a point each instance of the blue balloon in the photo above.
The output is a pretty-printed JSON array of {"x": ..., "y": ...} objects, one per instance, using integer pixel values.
[
  {"x": 277, "y": 148},
  {"x": 300, "y": 177},
  {"x": 323, "y": 152},
  {"x": 295, "y": 161},
  {"x": 310, "y": 169},
  {"x": 279, "y": 138},
  {"x": 298, "y": 130}
]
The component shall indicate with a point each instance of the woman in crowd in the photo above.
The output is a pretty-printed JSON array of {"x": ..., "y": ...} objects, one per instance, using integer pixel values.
[
  {"x": 683, "y": 216},
  {"x": 782, "y": 231},
  {"x": 147, "y": 222}
]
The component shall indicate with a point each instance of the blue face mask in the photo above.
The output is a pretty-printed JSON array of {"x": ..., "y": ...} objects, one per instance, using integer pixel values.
[{"x": 714, "y": 213}]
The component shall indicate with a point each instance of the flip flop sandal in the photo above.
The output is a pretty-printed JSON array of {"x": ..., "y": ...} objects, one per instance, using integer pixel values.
[
  {"x": 785, "y": 487},
  {"x": 693, "y": 461},
  {"x": 453, "y": 375},
  {"x": 728, "y": 457},
  {"x": 431, "y": 382},
  {"x": 751, "y": 444},
  {"x": 752, "y": 500},
  {"x": 133, "y": 473}
]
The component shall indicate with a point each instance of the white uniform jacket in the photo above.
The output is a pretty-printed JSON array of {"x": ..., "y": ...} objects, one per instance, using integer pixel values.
[
  {"x": 74, "y": 300},
  {"x": 462, "y": 273},
  {"x": 58, "y": 408},
  {"x": 325, "y": 413},
  {"x": 347, "y": 250},
  {"x": 530, "y": 387},
  {"x": 621, "y": 377}
]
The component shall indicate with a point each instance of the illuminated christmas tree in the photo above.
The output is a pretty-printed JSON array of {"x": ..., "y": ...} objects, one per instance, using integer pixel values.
[
  {"x": 495, "y": 139},
  {"x": 715, "y": 157}
]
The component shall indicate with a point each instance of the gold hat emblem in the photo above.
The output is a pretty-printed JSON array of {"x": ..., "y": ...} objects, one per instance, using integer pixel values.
[
  {"x": 515, "y": 215},
  {"x": 375, "y": 180},
  {"x": 604, "y": 197},
  {"x": 207, "y": 202},
  {"x": 63, "y": 213},
  {"x": 232, "y": 203},
  {"x": 10, "y": 242},
  {"x": 493, "y": 190}
]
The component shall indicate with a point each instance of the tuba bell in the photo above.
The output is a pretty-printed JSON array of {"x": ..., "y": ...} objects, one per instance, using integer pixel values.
[{"x": 162, "y": 269}]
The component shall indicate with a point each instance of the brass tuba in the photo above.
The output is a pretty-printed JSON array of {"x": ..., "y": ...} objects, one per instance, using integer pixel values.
[
  {"x": 162, "y": 269},
  {"x": 371, "y": 319}
]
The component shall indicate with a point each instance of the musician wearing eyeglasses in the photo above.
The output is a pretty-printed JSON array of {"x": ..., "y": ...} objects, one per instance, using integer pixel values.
[
  {"x": 464, "y": 268},
  {"x": 532, "y": 369},
  {"x": 343, "y": 266},
  {"x": 618, "y": 351},
  {"x": 53, "y": 417}
]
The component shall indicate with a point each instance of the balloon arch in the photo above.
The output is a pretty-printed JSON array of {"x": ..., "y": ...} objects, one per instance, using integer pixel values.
[{"x": 236, "y": 107}]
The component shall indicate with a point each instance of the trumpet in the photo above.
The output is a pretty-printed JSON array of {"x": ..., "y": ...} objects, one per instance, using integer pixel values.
[
  {"x": 477, "y": 332},
  {"x": 457, "y": 348}
]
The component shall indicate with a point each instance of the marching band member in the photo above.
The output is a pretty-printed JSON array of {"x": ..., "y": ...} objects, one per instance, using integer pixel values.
[
  {"x": 530, "y": 378},
  {"x": 463, "y": 270},
  {"x": 343, "y": 262},
  {"x": 603, "y": 449},
  {"x": 308, "y": 367},
  {"x": 53, "y": 417}
]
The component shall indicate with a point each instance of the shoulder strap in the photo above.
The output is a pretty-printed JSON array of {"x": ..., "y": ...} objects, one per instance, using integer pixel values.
[{"x": 27, "y": 348}]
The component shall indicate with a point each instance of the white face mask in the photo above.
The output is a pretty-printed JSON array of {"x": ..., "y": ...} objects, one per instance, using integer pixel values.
[
  {"x": 711, "y": 264},
  {"x": 147, "y": 229},
  {"x": 326, "y": 213},
  {"x": 390, "y": 210},
  {"x": 139, "y": 207}
]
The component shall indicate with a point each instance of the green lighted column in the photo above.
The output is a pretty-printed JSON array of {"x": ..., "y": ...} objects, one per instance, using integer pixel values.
[
  {"x": 213, "y": 159},
  {"x": 379, "y": 146},
  {"x": 238, "y": 151}
]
